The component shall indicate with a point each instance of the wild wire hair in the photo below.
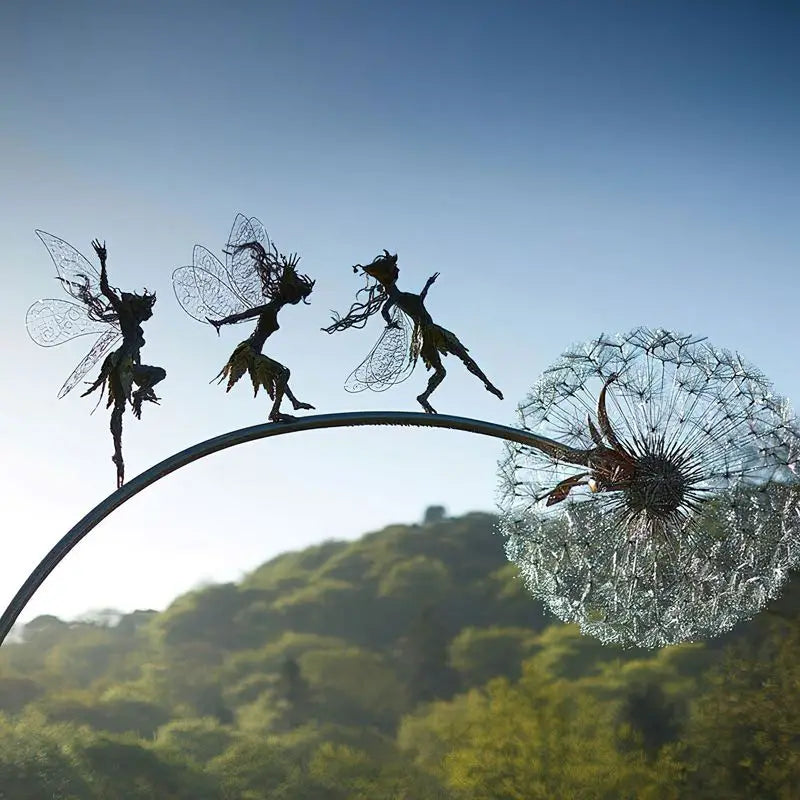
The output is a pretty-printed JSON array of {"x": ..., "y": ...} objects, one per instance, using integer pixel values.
[
  {"x": 99, "y": 309},
  {"x": 369, "y": 299},
  {"x": 275, "y": 269}
]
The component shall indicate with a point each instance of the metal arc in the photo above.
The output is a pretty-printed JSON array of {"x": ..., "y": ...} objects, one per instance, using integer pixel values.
[{"x": 241, "y": 436}]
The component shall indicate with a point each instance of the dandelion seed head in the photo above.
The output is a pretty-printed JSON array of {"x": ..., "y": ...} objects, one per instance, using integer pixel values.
[{"x": 704, "y": 532}]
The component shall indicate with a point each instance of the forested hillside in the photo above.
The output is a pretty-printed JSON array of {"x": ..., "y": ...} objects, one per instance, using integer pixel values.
[{"x": 408, "y": 665}]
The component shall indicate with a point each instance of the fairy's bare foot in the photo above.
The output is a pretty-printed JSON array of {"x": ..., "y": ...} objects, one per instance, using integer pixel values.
[
  {"x": 279, "y": 417},
  {"x": 423, "y": 401},
  {"x": 494, "y": 390}
]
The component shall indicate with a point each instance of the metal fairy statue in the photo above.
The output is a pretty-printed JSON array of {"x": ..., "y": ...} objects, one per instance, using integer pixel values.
[
  {"x": 395, "y": 354},
  {"x": 102, "y": 310},
  {"x": 254, "y": 272},
  {"x": 613, "y": 466}
]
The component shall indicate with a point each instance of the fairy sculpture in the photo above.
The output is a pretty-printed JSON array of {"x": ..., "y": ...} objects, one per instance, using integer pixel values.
[
  {"x": 254, "y": 272},
  {"x": 396, "y": 352},
  {"x": 102, "y": 310}
]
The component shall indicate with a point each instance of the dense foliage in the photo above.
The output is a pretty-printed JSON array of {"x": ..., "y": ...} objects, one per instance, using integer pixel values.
[{"x": 411, "y": 664}]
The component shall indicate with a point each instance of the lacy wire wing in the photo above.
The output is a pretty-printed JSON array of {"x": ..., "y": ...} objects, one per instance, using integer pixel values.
[
  {"x": 388, "y": 363},
  {"x": 242, "y": 268},
  {"x": 204, "y": 289},
  {"x": 52, "y": 321},
  {"x": 99, "y": 348},
  {"x": 73, "y": 269}
]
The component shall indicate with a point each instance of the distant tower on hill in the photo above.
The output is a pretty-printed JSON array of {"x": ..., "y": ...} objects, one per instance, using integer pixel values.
[{"x": 434, "y": 514}]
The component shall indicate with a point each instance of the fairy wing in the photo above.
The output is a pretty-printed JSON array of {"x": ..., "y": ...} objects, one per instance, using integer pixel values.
[
  {"x": 73, "y": 269},
  {"x": 388, "y": 363},
  {"x": 51, "y": 322},
  {"x": 243, "y": 270},
  {"x": 99, "y": 348},
  {"x": 203, "y": 289}
]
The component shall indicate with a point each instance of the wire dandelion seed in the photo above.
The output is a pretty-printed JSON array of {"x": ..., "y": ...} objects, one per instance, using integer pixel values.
[{"x": 674, "y": 510}]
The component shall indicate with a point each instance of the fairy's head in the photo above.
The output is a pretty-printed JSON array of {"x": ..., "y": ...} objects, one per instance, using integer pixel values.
[
  {"x": 140, "y": 305},
  {"x": 292, "y": 286},
  {"x": 383, "y": 269},
  {"x": 369, "y": 298}
]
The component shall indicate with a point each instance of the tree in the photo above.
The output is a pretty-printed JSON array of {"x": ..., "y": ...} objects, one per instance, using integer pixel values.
[
  {"x": 198, "y": 739},
  {"x": 121, "y": 767},
  {"x": 539, "y": 738},
  {"x": 355, "y": 687},
  {"x": 352, "y": 774},
  {"x": 253, "y": 768},
  {"x": 293, "y": 695},
  {"x": 429, "y": 675},
  {"x": 35, "y": 761},
  {"x": 480, "y": 654},
  {"x": 17, "y": 692},
  {"x": 743, "y": 737}
]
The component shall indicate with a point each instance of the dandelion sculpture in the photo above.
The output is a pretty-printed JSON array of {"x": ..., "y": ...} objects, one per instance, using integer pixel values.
[
  {"x": 651, "y": 492},
  {"x": 673, "y": 510},
  {"x": 110, "y": 315},
  {"x": 256, "y": 283}
]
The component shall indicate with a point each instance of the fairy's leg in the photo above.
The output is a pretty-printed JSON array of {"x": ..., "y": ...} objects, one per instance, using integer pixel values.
[
  {"x": 145, "y": 377},
  {"x": 116, "y": 431},
  {"x": 460, "y": 352},
  {"x": 434, "y": 380},
  {"x": 281, "y": 381},
  {"x": 281, "y": 388},
  {"x": 298, "y": 405}
]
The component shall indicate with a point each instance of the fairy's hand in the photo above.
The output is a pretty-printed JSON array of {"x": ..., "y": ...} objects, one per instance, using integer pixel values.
[
  {"x": 393, "y": 324},
  {"x": 100, "y": 249}
]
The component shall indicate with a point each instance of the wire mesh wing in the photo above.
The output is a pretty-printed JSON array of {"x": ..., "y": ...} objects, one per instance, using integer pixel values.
[
  {"x": 388, "y": 363},
  {"x": 241, "y": 266},
  {"x": 73, "y": 269},
  {"x": 203, "y": 290},
  {"x": 99, "y": 348},
  {"x": 50, "y": 322}
]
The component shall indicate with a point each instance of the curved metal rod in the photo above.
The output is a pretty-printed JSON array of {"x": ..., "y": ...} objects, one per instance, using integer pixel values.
[{"x": 233, "y": 438}]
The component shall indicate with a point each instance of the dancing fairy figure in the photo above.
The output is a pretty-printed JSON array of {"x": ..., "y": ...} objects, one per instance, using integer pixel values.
[
  {"x": 106, "y": 311},
  {"x": 396, "y": 352},
  {"x": 254, "y": 272}
]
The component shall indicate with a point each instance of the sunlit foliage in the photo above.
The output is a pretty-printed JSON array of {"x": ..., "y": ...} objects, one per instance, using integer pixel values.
[{"x": 410, "y": 664}]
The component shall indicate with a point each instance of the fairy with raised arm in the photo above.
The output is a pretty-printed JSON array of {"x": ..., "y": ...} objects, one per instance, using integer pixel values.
[
  {"x": 396, "y": 352},
  {"x": 254, "y": 272},
  {"x": 102, "y": 310}
]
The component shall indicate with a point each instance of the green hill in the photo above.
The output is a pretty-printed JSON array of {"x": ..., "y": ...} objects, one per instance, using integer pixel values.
[{"x": 411, "y": 663}]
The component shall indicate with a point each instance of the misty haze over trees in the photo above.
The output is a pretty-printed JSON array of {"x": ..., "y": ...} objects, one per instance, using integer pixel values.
[{"x": 411, "y": 663}]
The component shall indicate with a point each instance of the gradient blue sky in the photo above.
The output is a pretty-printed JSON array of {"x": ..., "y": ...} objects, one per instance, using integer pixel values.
[{"x": 569, "y": 168}]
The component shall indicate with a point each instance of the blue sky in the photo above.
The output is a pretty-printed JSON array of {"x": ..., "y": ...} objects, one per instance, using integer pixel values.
[{"x": 569, "y": 168}]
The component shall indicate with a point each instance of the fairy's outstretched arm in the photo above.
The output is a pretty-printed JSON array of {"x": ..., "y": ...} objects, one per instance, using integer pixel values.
[
  {"x": 105, "y": 288},
  {"x": 427, "y": 286},
  {"x": 233, "y": 318}
]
